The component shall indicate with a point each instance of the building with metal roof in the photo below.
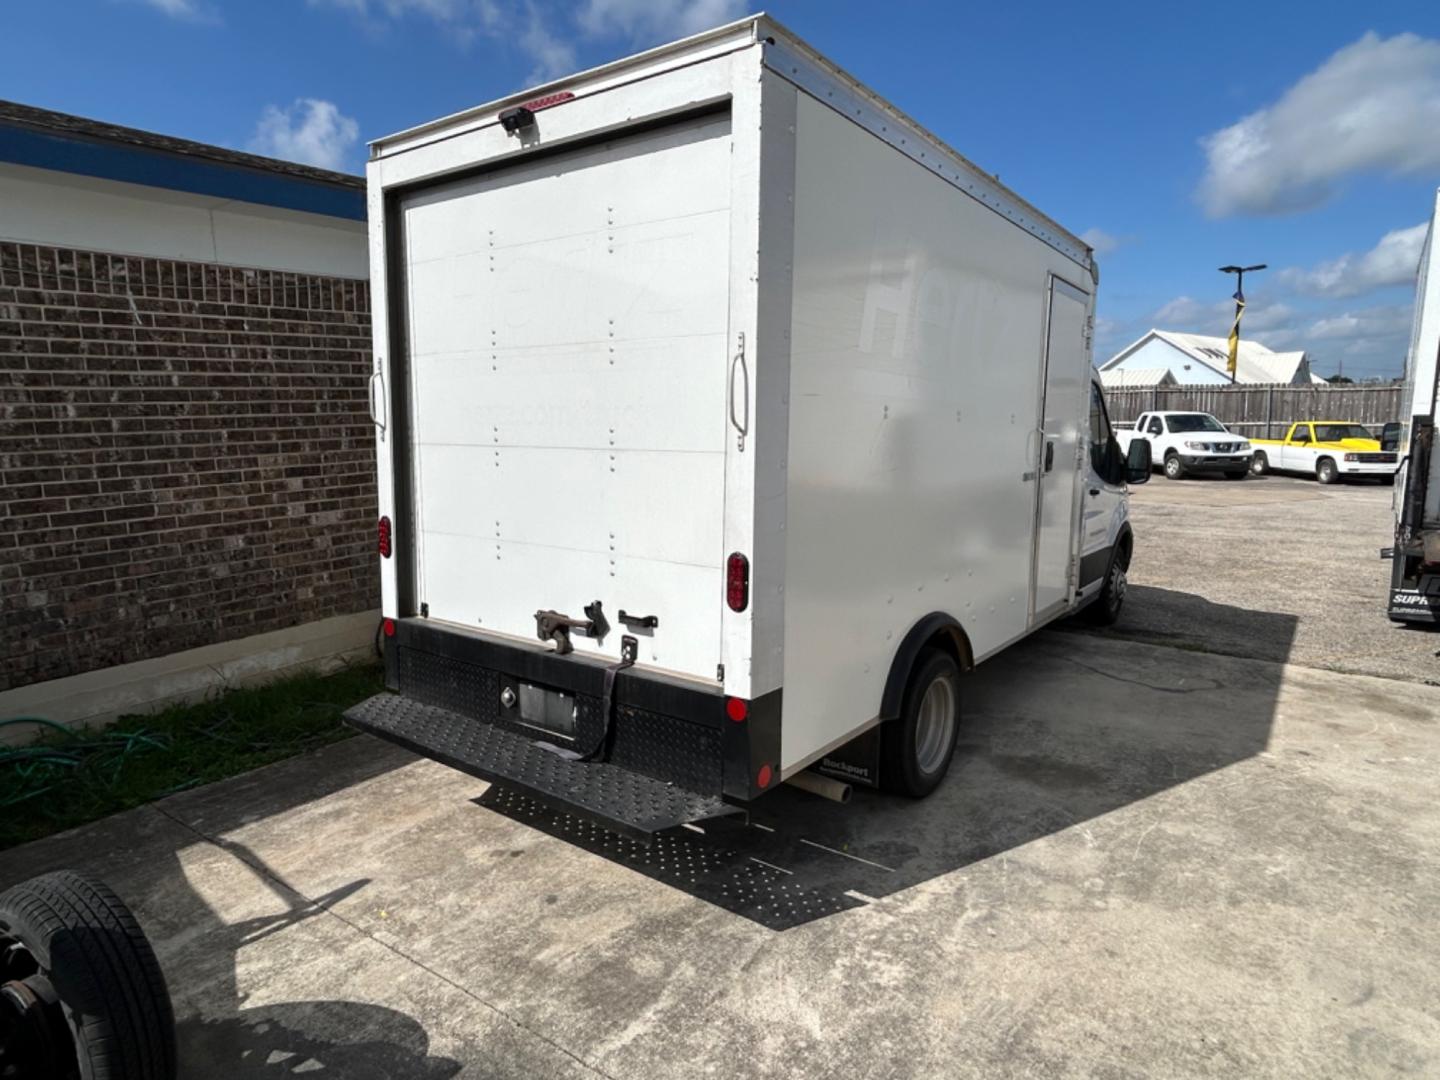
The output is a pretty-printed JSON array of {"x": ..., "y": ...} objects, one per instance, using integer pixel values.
[{"x": 1196, "y": 359}]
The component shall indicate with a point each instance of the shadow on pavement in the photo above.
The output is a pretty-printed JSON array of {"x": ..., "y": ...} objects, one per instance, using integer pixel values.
[
  {"x": 1057, "y": 730},
  {"x": 219, "y": 1032},
  {"x": 1184, "y": 620}
]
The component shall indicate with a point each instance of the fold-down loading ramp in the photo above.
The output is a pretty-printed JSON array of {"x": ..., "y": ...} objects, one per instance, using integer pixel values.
[{"x": 610, "y": 795}]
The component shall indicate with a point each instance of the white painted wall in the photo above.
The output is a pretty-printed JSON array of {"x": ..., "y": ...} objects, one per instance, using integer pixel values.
[
  {"x": 1158, "y": 353},
  {"x": 39, "y": 206}
]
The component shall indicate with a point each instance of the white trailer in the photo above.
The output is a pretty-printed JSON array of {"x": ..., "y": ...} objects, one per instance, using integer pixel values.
[
  {"x": 724, "y": 416},
  {"x": 1415, "y": 558}
]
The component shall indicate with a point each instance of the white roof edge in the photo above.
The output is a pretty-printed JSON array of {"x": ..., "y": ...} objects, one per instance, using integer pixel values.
[
  {"x": 898, "y": 115},
  {"x": 746, "y": 31},
  {"x": 530, "y": 92}
]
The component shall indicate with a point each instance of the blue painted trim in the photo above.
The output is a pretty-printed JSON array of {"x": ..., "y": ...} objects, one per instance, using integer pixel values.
[{"x": 175, "y": 172}]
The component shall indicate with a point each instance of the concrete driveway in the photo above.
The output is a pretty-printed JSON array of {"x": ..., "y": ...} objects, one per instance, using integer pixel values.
[{"x": 1146, "y": 862}]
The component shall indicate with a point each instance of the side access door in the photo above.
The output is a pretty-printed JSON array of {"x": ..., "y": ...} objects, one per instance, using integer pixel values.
[{"x": 1062, "y": 411}]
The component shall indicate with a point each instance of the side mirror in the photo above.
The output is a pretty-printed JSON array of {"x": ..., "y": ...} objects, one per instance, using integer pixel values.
[{"x": 1137, "y": 462}]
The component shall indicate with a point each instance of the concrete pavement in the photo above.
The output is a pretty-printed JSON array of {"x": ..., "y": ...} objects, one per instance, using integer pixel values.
[
  {"x": 1145, "y": 862},
  {"x": 1278, "y": 568}
]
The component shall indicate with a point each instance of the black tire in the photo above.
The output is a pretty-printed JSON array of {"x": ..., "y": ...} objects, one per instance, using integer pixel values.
[
  {"x": 1326, "y": 472},
  {"x": 77, "y": 933},
  {"x": 1234, "y": 474},
  {"x": 1259, "y": 464},
  {"x": 1174, "y": 467},
  {"x": 1104, "y": 610},
  {"x": 902, "y": 770}
]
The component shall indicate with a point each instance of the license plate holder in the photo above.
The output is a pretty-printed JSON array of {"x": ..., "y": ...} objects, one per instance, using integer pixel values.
[{"x": 552, "y": 711}]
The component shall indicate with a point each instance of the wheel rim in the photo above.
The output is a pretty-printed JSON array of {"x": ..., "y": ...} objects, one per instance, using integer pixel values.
[
  {"x": 1258, "y": 465},
  {"x": 1117, "y": 587},
  {"x": 1172, "y": 467},
  {"x": 935, "y": 724}
]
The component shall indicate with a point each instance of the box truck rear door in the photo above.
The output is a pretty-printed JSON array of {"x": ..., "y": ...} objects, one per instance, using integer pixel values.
[{"x": 567, "y": 358}]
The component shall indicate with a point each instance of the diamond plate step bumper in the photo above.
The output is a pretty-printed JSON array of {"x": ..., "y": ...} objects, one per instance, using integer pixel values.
[{"x": 625, "y": 801}]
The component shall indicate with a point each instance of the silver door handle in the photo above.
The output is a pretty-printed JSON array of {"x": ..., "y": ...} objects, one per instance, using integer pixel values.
[
  {"x": 741, "y": 422},
  {"x": 376, "y": 414}
]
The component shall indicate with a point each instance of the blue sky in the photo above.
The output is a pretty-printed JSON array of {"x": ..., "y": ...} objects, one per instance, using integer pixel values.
[{"x": 1176, "y": 137}]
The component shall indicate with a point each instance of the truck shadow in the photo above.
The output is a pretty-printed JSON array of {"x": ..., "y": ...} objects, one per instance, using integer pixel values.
[
  {"x": 1057, "y": 731},
  {"x": 221, "y": 1030}
]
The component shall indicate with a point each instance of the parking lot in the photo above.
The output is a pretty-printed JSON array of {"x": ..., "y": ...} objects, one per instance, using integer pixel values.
[
  {"x": 1203, "y": 844},
  {"x": 1279, "y": 568}
]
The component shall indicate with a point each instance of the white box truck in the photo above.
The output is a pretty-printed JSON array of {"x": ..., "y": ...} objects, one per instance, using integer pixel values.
[
  {"x": 1415, "y": 558},
  {"x": 724, "y": 418}
]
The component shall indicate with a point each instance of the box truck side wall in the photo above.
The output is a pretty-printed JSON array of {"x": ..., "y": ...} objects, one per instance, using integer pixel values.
[{"x": 917, "y": 380}]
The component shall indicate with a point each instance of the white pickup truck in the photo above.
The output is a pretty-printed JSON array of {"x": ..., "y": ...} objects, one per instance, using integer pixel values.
[{"x": 1183, "y": 443}]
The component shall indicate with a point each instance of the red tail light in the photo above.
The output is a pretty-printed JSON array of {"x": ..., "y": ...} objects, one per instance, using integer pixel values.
[
  {"x": 737, "y": 581},
  {"x": 389, "y": 625},
  {"x": 763, "y": 777},
  {"x": 737, "y": 709},
  {"x": 385, "y": 537}
]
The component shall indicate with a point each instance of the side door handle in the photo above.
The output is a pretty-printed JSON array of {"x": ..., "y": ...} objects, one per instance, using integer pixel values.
[
  {"x": 1094, "y": 491},
  {"x": 1049, "y": 456}
]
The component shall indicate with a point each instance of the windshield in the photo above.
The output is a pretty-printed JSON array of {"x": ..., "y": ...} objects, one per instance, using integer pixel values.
[
  {"x": 1336, "y": 432},
  {"x": 1193, "y": 422}
]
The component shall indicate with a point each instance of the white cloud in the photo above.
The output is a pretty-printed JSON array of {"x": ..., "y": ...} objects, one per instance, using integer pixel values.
[
  {"x": 656, "y": 19},
  {"x": 311, "y": 131},
  {"x": 183, "y": 9},
  {"x": 552, "y": 57},
  {"x": 549, "y": 34},
  {"x": 1366, "y": 324},
  {"x": 1190, "y": 316},
  {"x": 1392, "y": 261},
  {"x": 1364, "y": 110},
  {"x": 1101, "y": 241}
]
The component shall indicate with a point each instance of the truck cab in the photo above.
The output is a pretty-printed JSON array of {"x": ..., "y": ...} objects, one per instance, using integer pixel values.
[{"x": 1327, "y": 450}]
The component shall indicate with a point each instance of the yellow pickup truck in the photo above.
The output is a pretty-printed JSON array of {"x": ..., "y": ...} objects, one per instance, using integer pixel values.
[{"x": 1326, "y": 450}]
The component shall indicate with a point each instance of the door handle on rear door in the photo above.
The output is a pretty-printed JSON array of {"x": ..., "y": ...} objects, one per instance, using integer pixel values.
[
  {"x": 741, "y": 421},
  {"x": 1049, "y": 456},
  {"x": 377, "y": 417}
]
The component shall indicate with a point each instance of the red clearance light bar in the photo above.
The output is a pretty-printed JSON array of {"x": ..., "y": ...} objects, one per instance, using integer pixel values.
[{"x": 548, "y": 100}]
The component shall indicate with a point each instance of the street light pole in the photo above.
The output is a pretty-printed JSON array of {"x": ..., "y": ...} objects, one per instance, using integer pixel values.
[{"x": 1239, "y": 272}]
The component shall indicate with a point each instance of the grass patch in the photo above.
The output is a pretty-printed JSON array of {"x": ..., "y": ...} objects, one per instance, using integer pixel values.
[{"x": 70, "y": 778}]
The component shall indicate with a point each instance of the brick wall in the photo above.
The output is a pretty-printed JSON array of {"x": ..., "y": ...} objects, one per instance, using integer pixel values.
[{"x": 185, "y": 456}]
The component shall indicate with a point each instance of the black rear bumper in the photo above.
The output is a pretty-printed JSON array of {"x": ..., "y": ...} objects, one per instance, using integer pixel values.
[
  {"x": 666, "y": 730},
  {"x": 610, "y": 795}
]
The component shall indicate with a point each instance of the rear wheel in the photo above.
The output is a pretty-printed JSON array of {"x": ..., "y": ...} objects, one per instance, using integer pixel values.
[
  {"x": 1325, "y": 471},
  {"x": 76, "y": 966},
  {"x": 1174, "y": 468},
  {"x": 917, "y": 745},
  {"x": 1259, "y": 464}
]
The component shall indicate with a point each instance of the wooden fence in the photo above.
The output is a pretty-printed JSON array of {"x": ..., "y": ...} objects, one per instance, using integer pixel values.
[{"x": 1260, "y": 411}]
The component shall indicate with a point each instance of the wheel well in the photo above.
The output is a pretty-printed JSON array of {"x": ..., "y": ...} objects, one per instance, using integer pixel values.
[
  {"x": 936, "y": 630},
  {"x": 1126, "y": 544}
]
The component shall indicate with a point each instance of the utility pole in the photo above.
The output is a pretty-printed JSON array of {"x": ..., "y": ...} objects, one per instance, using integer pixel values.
[{"x": 1239, "y": 272}]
